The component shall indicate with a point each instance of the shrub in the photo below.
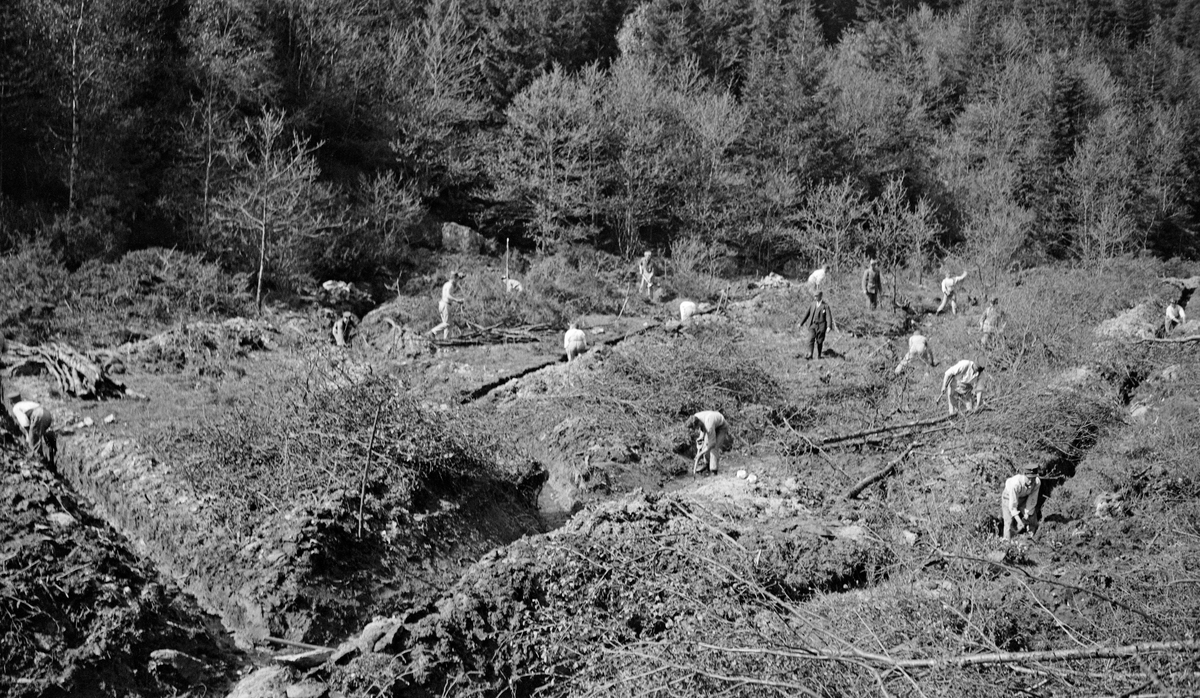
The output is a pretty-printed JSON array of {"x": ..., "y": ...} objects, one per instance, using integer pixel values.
[
  {"x": 692, "y": 270},
  {"x": 146, "y": 290},
  {"x": 34, "y": 281},
  {"x": 308, "y": 437}
]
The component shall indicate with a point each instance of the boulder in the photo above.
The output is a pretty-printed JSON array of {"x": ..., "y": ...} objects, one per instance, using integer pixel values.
[
  {"x": 459, "y": 238},
  {"x": 186, "y": 666},
  {"x": 307, "y": 690},
  {"x": 268, "y": 682}
]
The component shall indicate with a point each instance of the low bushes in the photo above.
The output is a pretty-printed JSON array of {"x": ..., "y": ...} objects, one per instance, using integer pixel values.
[
  {"x": 309, "y": 437},
  {"x": 103, "y": 304}
]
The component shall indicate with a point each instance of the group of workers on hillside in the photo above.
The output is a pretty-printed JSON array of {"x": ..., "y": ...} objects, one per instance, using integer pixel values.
[{"x": 960, "y": 385}]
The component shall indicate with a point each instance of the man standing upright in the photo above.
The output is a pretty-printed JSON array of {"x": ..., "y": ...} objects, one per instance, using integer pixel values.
[
  {"x": 818, "y": 319},
  {"x": 448, "y": 297},
  {"x": 871, "y": 284},
  {"x": 646, "y": 272},
  {"x": 992, "y": 322}
]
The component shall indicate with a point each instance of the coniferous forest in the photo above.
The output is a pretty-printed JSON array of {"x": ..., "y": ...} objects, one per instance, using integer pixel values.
[{"x": 770, "y": 130}]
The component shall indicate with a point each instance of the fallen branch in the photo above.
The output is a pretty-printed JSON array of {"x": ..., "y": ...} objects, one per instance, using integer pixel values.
[
  {"x": 866, "y": 482},
  {"x": 709, "y": 526},
  {"x": 298, "y": 645},
  {"x": 1175, "y": 340},
  {"x": 961, "y": 660},
  {"x": 1067, "y": 655},
  {"x": 75, "y": 373},
  {"x": 881, "y": 430}
]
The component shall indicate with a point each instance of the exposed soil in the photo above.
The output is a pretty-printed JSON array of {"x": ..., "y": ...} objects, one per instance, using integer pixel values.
[
  {"x": 644, "y": 560},
  {"x": 81, "y": 614}
]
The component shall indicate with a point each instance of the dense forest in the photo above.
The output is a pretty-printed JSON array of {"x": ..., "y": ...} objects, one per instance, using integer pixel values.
[{"x": 769, "y": 130}]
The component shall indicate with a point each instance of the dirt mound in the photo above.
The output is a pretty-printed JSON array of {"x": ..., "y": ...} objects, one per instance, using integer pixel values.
[
  {"x": 1139, "y": 322},
  {"x": 83, "y": 616},
  {"x": 642, "y": 569}
]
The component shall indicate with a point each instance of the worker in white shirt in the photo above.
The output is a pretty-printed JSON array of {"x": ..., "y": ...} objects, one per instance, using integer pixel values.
[
  {"x": 686, "y": 310},
  {"x": 512, "y": 285},
  {"x": 948, "y": 293},
  {"x": 1019, "y": 503},
  {"x": 343, "y": 328},
  {"x": 918, "y": 348},
  {"x": 816, "y": 280},
  {"x": 991, "y": 322},
  {"x": 1175, "y": 316},
  {"x": 711, "y": 433},
  {"x": 574, "y": 341},
  {"x": 34, "y": 422},
  {"x": 646, "y": 272},
  {"x": 448, "y": 297},
  {"x": 960, "y": 383}
]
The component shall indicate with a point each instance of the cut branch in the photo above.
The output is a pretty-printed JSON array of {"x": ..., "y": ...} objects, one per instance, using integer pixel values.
[
  {"x": 866, "y": 482},
  {"x": 1174, "y": 340},
  {"x": 895, "y": 427}
]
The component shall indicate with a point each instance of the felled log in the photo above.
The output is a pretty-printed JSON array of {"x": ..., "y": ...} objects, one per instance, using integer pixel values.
[
  {"x": 1170, "y": 340},
  {"x": 871, "y": 479},
  {"x": 75, "y": 373},
  {"x": 494, "y": 335}
]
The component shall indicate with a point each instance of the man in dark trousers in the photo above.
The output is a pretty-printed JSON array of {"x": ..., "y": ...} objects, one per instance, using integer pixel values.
[
  {"x": 871, "y": 283},
  {"x": 818, "y": 319}
]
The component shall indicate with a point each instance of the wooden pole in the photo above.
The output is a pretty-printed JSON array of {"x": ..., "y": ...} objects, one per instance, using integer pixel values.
[
  {"x": 362, "y": 487},
  {"x": 506, "y": 259}
]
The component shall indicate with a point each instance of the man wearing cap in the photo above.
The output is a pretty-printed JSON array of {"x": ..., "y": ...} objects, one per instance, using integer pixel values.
[
  {"x": 1019, "y": 503},
  {"x": 918, "y": 348},
  {"x": 960, "y": 383},
  {"x": 871, "y": 283},
  {"x": 711, "y": 434},
  {"x": 34, "y": 421},
  {"x": 818, "y": 319},
  {"x": 448, "y": 297},
  {"x": 646, "y": 272},
  {"x": 948, "y": 293},
  {"x": 343, "y": 327},
  {"x": 574, "y": 341}
]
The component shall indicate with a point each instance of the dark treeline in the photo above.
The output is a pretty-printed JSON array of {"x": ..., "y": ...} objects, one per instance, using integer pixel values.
[{"x": 326, "y": 132}]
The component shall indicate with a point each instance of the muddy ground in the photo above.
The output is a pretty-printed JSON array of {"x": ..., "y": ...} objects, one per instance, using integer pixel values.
[{"x": 620, "y": 572}]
